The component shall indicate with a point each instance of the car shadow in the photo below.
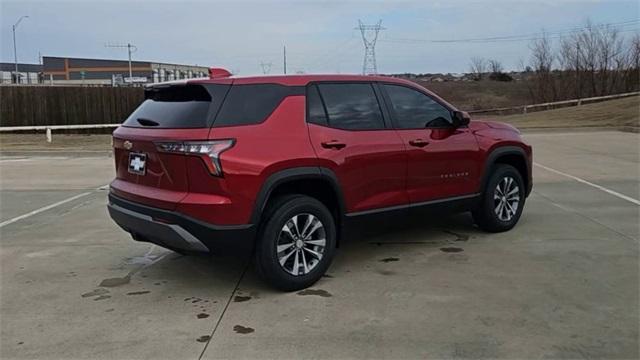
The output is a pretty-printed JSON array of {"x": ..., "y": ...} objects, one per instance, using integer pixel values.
[{"x": 198, "y": 272}]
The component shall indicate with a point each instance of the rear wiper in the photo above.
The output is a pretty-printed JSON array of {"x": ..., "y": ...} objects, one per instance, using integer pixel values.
[{"x": 147, "y": 122}]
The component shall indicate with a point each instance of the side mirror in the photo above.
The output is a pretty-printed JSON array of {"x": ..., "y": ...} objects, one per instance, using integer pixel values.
[{"x": 461, "y": 118}]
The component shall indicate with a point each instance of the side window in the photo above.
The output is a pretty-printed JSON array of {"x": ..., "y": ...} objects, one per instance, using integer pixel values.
[
  {"x": 415, "y": 110},
  {"x": 250, "y": 104},
  {"x": 352, "y": 106},
  {"x": 315, "y": 109}
]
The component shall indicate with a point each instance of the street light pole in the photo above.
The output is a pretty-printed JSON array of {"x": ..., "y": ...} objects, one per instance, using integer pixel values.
[
  {"x": 15, "y": 51},
  {"x": 130, "y": 72}
]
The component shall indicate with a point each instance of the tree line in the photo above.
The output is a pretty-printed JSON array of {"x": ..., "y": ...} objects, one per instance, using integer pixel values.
[{"x": 593, "y": 61}]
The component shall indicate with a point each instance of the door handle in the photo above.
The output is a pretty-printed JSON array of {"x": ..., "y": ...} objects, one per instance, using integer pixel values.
[
  {"x": 333, "y": 144},
  {"x": 418, "y": 143}
]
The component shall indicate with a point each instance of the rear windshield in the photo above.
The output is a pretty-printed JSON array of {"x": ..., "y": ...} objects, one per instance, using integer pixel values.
[{"x": 177, "y": 107}]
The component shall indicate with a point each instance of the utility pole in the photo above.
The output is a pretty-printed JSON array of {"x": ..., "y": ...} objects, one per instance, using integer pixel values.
[
  {"x": 369, "y": 39},
  {"x": 266, "y": 67},
  {"x": 578, "y": 90},
  {"x": 15, "y": 51},
  {"x": 130, "y": 49},
  {"x": 284, "y": 58}
]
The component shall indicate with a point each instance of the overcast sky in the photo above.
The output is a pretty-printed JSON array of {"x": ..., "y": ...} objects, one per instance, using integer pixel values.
[{"x": 319, "y": 35}]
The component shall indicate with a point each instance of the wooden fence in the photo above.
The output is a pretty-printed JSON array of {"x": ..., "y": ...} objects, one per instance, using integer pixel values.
[{"x": 52, "y": 105}]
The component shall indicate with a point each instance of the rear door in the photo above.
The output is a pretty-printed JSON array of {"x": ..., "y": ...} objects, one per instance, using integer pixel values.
[
  {"x": 349, "y": 134},
  {"x": 169, "y": 114},
  {"x": 442, "y": 160}
]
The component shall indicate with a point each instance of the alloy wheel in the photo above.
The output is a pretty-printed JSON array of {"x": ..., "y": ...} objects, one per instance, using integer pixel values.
[
  {"x": 506, "y": 198},
  {"x": 301, "y": 244}
]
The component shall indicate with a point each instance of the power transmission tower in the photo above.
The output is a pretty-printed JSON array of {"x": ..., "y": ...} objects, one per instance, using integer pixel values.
[
  {"x": 130, "y": 49},
  {"x": 266, "y": 67},
  {"x": 369, "y": 39}
]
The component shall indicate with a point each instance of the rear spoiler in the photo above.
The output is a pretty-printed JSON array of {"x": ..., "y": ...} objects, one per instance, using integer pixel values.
[{"x": 217, "y": 73}]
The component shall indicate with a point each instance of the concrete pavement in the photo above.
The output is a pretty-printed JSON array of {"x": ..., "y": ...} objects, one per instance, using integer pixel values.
[{"x": 562, "y": 284}]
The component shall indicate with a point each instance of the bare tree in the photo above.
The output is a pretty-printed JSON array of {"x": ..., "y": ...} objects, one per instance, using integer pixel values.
[
  {"x": 478, "y": 67},
  {"x": 495, "y": 66},
  {"x": 542, "y": 59}
]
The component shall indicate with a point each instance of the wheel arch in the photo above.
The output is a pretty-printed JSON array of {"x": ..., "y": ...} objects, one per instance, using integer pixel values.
[
  {"x": 510, "y": 155},
  {"x": 318, "y": 182}
]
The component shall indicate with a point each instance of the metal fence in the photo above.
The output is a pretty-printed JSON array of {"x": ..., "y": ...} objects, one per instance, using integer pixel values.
[{"x": 523, "y": 109}]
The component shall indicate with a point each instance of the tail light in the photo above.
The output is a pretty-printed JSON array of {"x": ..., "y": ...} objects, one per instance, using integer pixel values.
[{"x": 208, "y": 151}]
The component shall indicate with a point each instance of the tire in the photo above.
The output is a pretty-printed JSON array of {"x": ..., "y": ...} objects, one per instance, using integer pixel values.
[
  {"x": 490, "y": 215},
  {"x": 277, "y": 231}
]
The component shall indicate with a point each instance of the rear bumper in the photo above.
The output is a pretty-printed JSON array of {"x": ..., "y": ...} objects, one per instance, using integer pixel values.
[{"x": 177, "y": 231}]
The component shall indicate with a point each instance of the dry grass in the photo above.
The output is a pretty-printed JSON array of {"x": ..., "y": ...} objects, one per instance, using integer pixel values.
[
  {"x": 613, "y": 113},
  {"x": 485, "y": 94}
]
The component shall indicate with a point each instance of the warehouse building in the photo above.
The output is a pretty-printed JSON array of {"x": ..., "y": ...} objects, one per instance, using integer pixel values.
[
  {"x": 27, "y": 73},
  {"x": 67, "y": 71}
]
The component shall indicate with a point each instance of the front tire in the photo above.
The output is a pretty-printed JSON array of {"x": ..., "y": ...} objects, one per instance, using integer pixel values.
[
  {"x": 296, "y": 243},
  {"x": 502, "y": 200}
]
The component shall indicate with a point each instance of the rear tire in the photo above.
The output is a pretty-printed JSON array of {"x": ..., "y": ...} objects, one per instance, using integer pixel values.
[
  {"x": 502, "y": 200},
  {"x": 296, "y": 242}
]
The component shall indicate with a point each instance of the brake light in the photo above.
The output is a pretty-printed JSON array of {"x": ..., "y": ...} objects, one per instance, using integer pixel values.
[{"x": 208, "y": 151}]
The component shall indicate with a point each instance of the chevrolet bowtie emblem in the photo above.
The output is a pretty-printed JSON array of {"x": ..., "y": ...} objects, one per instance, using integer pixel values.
[{"x": 128, "y": 145}]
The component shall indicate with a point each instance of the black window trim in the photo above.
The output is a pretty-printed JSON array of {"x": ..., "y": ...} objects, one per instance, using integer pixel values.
[
  {"x": 307, "y": 107},
  {"x": 393, "y": 114},
  {"x": 381, "y": 104},
  {"x": 294, "y": 90}
]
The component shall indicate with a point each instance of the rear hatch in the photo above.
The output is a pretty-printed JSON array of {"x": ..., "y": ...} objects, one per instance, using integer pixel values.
[{"x": 169, "y": 114}]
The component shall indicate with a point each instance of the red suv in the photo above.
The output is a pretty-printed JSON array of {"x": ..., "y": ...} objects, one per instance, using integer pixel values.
[{"x": 283, "y": 165}]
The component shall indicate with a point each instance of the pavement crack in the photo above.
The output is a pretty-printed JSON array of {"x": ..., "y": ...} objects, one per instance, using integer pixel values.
[{"x": 224, "y": 311}]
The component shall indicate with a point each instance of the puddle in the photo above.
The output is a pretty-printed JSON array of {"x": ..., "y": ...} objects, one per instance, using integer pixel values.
[
  {"x": 242, "y": 330},
  {"x": 459, "y": 237},
  {"x": 202, "y": 316},
  {"x": 95, "y": 292},
  {"x": 138, "y": 292},
  {"x": 113, "y": 282},
  {"x": 385, "y": 272},
  {"x": 203, "y": 338},
  {"x": 316, "y": 292},
  {"x": 451, "y": 249}
]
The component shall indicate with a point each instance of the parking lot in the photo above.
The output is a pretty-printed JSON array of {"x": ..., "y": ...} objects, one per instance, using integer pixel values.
[{"x": 563, "y": 284}]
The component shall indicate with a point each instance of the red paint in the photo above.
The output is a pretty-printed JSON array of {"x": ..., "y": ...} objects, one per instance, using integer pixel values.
[{"x": 375, "y": 169}]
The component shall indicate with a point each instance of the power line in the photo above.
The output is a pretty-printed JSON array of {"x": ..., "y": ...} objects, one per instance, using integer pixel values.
[
  {"x": 332, "y": 54},
  {"x": 523, "y": 37}
]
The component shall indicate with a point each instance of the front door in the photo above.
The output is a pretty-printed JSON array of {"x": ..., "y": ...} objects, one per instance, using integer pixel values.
[{"x": 441, "y": 159}]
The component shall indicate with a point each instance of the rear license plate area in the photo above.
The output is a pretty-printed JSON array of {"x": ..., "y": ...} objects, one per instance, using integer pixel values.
[{"x": 137, "y": 163}]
